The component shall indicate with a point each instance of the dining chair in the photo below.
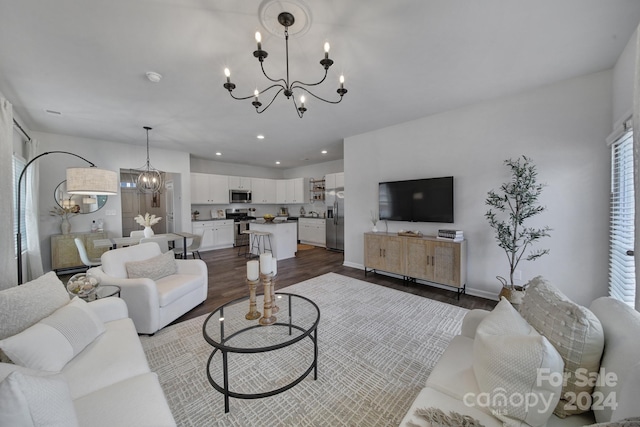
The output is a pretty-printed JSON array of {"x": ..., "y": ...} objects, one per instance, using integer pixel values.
[
  {"x": 162, "y": 241},
  {"x": 193, "y": 249},
  {"x": 84, "y": 256},
  {"x": 137, "y": 233}
]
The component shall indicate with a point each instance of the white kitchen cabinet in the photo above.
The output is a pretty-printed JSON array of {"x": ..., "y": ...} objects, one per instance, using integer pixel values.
[
  {"x": 281, "y": 191},
  {"x": 334, "y": 180},
  {"x": 239, "y": 183},
  {"x": 263, "y": 190},
  {"x": 312, "y": 231},
  {"x": 291, "y": 191},
  {"x": 209, "y": 189},
  {"x": 214, "y": 234}
]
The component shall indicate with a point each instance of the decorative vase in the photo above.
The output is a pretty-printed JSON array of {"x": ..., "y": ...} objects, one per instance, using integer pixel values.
[
  {"x": 374, "y": 229},
  {"x": 65, "y": 226},
  {"x": 148, "y": 231}
]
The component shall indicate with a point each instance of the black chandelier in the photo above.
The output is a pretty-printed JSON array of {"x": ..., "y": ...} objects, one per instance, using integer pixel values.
[{"x": 285, "y": 86}]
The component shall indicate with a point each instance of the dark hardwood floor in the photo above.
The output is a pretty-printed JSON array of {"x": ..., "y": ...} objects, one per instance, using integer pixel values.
[{"x": 227, "y": 273}]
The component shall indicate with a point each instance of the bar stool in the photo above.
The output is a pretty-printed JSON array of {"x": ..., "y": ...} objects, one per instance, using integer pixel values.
[
  {"x": 243, "y": 241},
  {"x": 259, "y": 241}
]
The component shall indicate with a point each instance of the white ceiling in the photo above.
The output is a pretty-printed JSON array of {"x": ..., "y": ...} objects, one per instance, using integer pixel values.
[{"x": 402, "y": 60}]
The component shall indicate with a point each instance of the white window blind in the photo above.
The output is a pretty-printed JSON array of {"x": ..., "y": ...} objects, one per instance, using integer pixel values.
[
  {"x": 18, "y": 166},
  {"x": 622, "y": 277}
]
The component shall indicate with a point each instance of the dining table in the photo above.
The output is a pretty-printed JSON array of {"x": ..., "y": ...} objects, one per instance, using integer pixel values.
[{"x": 114, "y": 242}]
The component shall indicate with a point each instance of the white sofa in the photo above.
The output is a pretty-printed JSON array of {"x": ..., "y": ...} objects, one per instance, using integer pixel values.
[
  {"x": 162, "y": 288},
  {"x": 452, "y": 385},
  {"x": 108, "y": 383}
]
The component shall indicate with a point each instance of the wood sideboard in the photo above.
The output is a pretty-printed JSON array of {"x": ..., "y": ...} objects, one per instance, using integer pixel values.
[
  {"x": 425, "y": 258},
  {"x": 64, "y": 253}
]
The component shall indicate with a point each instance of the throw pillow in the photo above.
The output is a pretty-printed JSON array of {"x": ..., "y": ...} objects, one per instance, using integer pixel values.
[
  {"x": 153, "y": 268},
  {"x": 577, "y": 335},
  {"x": 516, "y": 368},
  {"x": 34, "y": 401},
  {"x": 51, "y": 343}
]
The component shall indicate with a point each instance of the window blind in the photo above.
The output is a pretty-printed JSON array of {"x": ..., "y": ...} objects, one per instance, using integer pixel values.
[
  {"x": 18, "y": 166},
  {"x": 622, "y": 278}
]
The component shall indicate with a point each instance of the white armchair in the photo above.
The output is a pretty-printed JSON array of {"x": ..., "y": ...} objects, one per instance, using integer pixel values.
[{"x": 153, "y": 304}]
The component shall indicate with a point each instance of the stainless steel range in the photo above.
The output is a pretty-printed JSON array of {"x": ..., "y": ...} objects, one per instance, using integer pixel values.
[{"x": 241, "y": 219}]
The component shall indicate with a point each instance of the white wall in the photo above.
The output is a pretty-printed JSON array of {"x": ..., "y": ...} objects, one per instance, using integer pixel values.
[
  {"x": 106, "y": 155},
  {"x": 562, "y": 127},
  {"x": 623, "y": 81},
  {"x": 233, "y": 169}
]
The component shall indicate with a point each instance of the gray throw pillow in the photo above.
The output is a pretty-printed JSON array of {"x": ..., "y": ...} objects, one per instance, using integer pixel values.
[{"x": 153, "y": 268}]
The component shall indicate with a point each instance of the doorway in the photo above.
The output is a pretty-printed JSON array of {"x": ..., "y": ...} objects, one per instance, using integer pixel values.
[{"x": 134, "y": 203}]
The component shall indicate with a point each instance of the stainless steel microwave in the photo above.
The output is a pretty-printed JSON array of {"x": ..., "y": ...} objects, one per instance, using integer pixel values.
[{"x": 239, "y": 196}]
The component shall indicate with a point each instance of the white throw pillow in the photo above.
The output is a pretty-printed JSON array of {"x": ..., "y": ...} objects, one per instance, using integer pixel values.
[
  {"x": 513, "y": 365},
  {"x": 575, "y": 332},
  {"x": 153, "y": 268},
  {"x": 51, "y": 343},
  {"x": 36, "y": 401}
]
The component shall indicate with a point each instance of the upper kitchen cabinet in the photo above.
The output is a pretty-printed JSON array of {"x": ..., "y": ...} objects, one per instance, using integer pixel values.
[
  {"x": 291, "y": 191},
  {"x": 209, "y": 189},
  {"x": 263, "y": 190},
  {"x": 334, "y": 180},
  {"x": 239, "y": 183}
]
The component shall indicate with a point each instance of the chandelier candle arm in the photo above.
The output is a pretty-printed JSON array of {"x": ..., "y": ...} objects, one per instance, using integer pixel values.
[{"x": 287, "y": 87}]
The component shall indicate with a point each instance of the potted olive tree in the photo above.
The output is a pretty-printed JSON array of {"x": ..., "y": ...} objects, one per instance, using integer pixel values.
[{"x": 509, "y": 209}]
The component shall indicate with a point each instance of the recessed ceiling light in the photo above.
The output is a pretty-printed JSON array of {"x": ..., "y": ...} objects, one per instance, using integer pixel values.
[
  {"x": 153, "y": 76},
  {"x": 324, "y": 151},
  {"x": 218, "y": 154},
  {"x": 277, "y": 162},
  {"x": 260, "y": 136}
]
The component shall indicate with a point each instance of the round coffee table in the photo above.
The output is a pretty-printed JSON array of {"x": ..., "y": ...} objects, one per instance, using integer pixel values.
[{"x": 230, "y": 333}]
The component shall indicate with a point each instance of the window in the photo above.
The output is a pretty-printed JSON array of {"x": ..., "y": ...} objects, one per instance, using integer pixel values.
[
  {"x": 622, "y": 277},
  {"x": 18, "y": 165}
]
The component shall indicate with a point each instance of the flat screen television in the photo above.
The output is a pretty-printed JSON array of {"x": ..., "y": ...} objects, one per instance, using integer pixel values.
[{"x": 417, "y": 200}]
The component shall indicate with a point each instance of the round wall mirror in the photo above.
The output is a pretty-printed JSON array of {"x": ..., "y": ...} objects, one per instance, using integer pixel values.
[{"x": 77, "y": 203}]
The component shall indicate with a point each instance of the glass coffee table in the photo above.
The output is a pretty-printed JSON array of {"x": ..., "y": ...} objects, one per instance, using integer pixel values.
[{"x": 263, "y": 360}]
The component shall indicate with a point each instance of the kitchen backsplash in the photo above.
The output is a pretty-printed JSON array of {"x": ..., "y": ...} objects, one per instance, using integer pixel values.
[{"x": 260, "y": 210}]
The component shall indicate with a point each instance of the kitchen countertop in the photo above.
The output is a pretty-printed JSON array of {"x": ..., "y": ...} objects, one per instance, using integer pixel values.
[
  {"x": 262, "y": 221},
  {"x": 212, "y": 219}
]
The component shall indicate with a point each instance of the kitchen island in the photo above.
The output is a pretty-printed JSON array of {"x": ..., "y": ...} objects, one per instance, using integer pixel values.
[{"x": 284, "y": 237}]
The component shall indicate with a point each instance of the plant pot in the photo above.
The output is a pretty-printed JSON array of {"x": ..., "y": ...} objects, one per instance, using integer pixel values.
[{"x": 512, "y": 295}]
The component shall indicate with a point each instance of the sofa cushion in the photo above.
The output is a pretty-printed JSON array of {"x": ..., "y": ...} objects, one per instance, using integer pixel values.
[
  {"x": 136, "y": 401},
  {"x": 25, "y": 305},
  {"x": 577, "y": 335},
  {"x": 171, "y": 288},
  {"x": 31, "y": 401},
  {"x": 153, "y": 268},
  {"x": 621, "y": 325},
  {"x": 453, "y": 374},
  {"x": 55, "y": 340},
  {"x": 513, "y": 365},
  {"x": 118, "y": 354}
]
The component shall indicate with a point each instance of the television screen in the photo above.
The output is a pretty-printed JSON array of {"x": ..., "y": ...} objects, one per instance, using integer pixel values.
[{"x": 418, "y": 200}]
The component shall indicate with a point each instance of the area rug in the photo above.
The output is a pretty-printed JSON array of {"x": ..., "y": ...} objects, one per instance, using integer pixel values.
[{"x": 377, "y": 347}]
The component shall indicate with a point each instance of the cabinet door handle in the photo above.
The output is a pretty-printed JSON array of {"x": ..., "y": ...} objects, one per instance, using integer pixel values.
[
  {"x": 380, "y": 252},
  {"x": 433, "y": 262},
  {"x": 384, "y": 251}
]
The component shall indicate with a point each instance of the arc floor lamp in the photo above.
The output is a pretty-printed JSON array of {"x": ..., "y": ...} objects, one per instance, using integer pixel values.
[{"x": 88, "y": 180}]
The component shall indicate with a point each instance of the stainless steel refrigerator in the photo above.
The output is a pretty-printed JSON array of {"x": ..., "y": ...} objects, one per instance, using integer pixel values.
[{"x": 334, "y": 200}]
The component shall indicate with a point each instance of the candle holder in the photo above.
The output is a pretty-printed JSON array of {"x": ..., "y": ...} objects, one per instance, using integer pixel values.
[
  {"x": 268, "y": 318},
  {"x": 253, "y": 313},
  {"x": 275, "y": 308}
]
